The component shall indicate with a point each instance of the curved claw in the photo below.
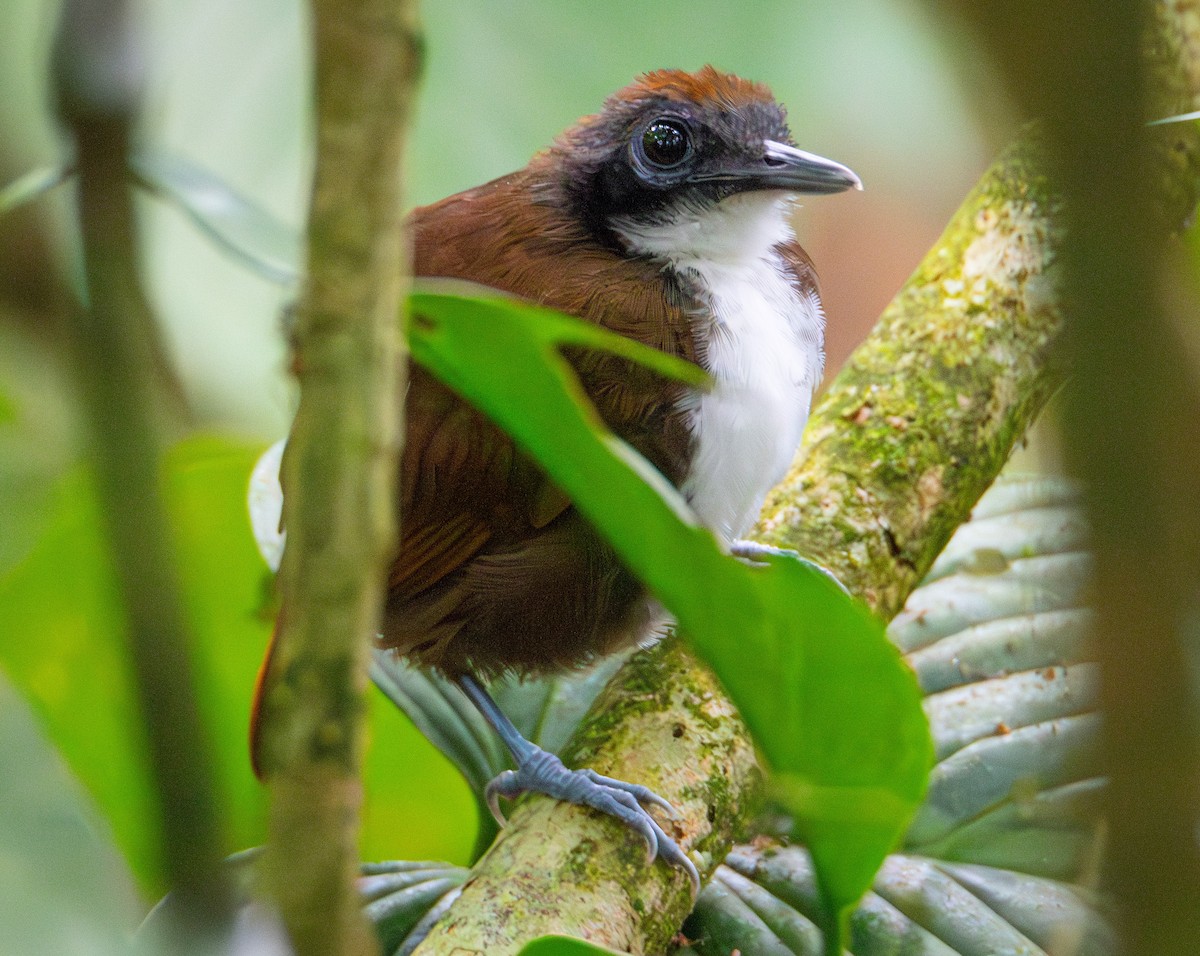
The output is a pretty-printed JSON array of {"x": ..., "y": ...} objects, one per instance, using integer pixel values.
[
  {"x": 671, "y": 852},
  {"x": 622, "y": 805},
  {"x": 506, "y": 784}
]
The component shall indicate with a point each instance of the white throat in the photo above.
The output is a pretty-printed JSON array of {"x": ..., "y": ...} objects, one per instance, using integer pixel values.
[
  {"x": 742, "y": 229},
  {"x": 759, "y": 335}
]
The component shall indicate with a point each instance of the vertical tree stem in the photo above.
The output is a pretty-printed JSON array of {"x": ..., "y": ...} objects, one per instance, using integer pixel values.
[
  {"x": 340, "y": 469},
  {"x": 97, "y": 81},
  {"x": 1131, "y": 422},
  {"x": 1132, "y": 433}
]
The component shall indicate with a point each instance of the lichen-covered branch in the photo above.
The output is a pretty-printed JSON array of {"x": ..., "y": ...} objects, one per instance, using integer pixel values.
[
  {"x": 907, "y": 438},
  {"x": 339, "y": 471}
]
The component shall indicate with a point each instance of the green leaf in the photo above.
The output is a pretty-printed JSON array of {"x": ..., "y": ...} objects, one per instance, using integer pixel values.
[
  {"x": 564, "y": 946},
  {"x": 403, "y": 900},
  {"x": 828, "y": 700},
  {"x": 764, "y": 902},
  {"x": 68, "y": 652},
  {"x": 59, "y": 619},
  {"x": 1011, "y": 695}
]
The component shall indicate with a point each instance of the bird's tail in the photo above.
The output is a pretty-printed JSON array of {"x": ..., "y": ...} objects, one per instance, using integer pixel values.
[{"x": 256, "y": 709}]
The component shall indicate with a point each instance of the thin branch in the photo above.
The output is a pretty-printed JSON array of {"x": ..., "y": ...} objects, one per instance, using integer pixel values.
[
  {"x": 340, "y": 470},
  {"x": 905, "y": 441},
  {"x": 1132, "y": 433},
  {"x": 97, "y": 81}
]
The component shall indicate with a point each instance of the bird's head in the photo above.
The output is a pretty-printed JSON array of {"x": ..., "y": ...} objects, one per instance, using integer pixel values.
[{"x": 680, "y": 159}]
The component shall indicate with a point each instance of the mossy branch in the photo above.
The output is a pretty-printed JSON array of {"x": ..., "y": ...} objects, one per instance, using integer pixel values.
[
  {"x": 908, "y": 436},
  {"x": 555, "y": 868},
  {"x": 340, "y": 470}
]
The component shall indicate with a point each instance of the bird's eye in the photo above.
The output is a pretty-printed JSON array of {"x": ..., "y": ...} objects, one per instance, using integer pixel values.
[{"x": 666, "y": 143}]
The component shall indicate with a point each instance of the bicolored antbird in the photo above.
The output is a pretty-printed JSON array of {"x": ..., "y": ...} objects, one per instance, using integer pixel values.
[{"x": 665, "y": 218}]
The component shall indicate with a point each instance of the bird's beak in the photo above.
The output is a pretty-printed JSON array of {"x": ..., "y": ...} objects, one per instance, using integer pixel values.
[
  {"x": 806, "y": 172},
  {"x": 788, "y": 168}
]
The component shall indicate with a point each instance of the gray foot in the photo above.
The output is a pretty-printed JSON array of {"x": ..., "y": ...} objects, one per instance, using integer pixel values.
[{"x": 543, "y": 772}]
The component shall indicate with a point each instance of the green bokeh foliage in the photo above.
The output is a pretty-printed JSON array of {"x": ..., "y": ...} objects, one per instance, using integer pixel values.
[{"x": 62, "y": 642}]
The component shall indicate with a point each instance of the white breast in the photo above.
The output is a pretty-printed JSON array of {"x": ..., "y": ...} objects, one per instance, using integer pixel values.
[{"x": 760, "y": 338}]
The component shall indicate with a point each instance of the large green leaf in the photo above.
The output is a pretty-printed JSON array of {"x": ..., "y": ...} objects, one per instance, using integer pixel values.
[
  {"x": 999, "y": 646},
  {"x": 763, "y": 901},
  {"x": 794, "y": 652},
  {"x": 403, "y": 900},
  {"x": 65, "y": 647},
  {"x": 60, "y": 634}
]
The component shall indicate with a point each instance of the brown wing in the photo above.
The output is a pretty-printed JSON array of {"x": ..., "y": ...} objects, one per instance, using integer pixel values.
[
  {"x": 466, "y": 493},
  {"x": 462, "y": 484},
  {"x": 479, "y": 520}
]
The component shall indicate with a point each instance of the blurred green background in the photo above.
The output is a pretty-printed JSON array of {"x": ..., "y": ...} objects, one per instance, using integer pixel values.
[{"x": 870, "y": 83}]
